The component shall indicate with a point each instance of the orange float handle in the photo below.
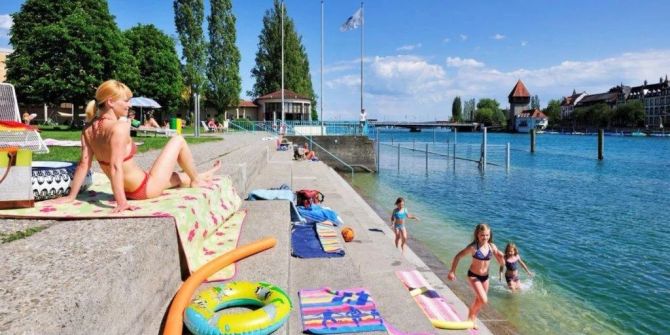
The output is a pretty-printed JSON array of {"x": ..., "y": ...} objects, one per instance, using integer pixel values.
[{"x": 175, "y": 319}]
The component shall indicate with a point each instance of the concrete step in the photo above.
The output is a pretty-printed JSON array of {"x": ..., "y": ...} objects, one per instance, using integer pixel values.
[
  {"x": 89, "y": 277},
  {"x": 111, "y": 276}
]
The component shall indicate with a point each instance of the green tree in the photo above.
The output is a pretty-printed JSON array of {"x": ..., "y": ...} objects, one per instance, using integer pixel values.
[
  {"x": 499, "y": 118},
  {"x": 456, "y": 110},
  {"x": 598, "y": 115},
  {"x": 469, "y": 109},
  {"x": 158, "y": 64},
  {"x": 491, "y": 104},
  {"x": 485, "y": 116},
  {"x": 602, "y": 115},
  {"x": 188, "y": 17},
  {"x": 267, "y": 70},
  {"x": 64, "y": 49},
  {"x": 630, "y": 114},
  {"x": 223, "y": 66},
  {"x": 553, "y": 111},
  {"x": 535, "y": 102}
]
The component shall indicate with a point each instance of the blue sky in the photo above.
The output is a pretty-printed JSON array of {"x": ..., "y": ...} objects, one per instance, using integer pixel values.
[{"x": 420, "y": 54}]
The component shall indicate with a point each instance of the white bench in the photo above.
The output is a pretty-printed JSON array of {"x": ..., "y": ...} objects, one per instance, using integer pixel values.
[{"x": 145, "y": 131}]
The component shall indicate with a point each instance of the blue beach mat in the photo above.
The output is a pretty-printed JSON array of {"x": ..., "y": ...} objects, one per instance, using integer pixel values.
[
  {"x": 305, "y": 243},
  {"x": 282, "y": 193}
]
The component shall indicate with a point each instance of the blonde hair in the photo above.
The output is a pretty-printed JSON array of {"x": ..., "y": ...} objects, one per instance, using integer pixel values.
[
  {"x": 111, "y": 89},
  {"x": 482, "y": 227}
]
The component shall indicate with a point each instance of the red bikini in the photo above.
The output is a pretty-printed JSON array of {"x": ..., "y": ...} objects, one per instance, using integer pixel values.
[{"x": 141, "y": 192}]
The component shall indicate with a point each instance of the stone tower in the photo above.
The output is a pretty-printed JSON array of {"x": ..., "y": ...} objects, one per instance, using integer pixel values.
[{"x": 519, "y": 99}]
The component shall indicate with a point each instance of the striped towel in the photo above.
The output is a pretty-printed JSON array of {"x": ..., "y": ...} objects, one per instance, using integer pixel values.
[
  {"x": 328, "y": 237},
  {"x": 325, "y": 311},
  {"x": 432, "y": 304}
]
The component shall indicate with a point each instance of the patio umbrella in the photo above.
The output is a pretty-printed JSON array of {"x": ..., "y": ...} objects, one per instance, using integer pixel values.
[{"x": 143, "y": 102}]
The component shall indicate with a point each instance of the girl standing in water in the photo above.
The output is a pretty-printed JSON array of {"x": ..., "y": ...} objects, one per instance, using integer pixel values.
[
  {"x": 512, "y": 261},
  {"x": 482, "y": 250},
  {"x": 398, "y": 221}
]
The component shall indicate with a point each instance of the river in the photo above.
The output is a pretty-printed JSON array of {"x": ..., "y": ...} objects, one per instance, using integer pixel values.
[{"x": 594, "y": 232}]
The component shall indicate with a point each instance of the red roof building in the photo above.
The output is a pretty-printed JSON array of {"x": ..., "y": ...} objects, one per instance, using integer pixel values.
[{"x": 521, "y": 118}]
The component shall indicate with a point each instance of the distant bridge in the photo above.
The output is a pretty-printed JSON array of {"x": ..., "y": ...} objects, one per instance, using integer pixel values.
[{"x": 417, "y": 126}]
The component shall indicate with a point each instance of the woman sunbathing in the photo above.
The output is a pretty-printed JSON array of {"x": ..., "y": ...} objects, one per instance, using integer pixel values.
[{"x": 108, "y": 139}]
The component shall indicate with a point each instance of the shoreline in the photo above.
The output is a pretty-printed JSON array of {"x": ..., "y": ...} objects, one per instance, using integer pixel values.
[{"x": 495, "y": 321}]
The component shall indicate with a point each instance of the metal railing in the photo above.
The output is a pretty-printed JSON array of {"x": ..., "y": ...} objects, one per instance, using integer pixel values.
[
  {"x": 311, "y": 143},
  {"x": 270, "y": 127},
  {"x": 305, "y": 128}
]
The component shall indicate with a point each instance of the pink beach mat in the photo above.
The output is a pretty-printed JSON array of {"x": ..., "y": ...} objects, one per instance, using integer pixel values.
[{"x": 431, "y": 303}]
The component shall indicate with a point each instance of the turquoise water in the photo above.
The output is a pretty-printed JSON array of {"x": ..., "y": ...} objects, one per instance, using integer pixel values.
[{"x": 595, "y": 232}]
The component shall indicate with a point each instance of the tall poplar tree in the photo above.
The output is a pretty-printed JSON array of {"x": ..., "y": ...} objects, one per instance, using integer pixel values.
[
  {"x": 267, "y": 71},
  {"x": 64, "y": 49},
  {"x": 535, "y": 102},
  {"x": 188, "y": 18},
  {"x": 223, "y": 66},
  {"x": 469, "y": 109},
  {"x": 456, "y": 109},
  {"x": 158, "y": 65}
]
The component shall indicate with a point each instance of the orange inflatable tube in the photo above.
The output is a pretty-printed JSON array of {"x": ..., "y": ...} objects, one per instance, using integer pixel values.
[{"x": 175, "y": 319}]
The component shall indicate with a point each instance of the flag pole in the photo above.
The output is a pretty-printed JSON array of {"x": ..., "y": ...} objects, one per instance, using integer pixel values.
[
  {"x": 321, "y": 117},
  {"x": 362, "y": 39},
  {"x": 282, "y": 63}
]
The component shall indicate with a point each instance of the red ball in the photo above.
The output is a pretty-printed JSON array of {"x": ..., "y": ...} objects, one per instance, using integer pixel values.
[{"x": 347, "y": 234}]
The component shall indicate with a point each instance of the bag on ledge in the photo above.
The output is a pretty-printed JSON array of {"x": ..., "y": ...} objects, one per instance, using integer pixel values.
[
  {"x": 16, "y": 178},
  {"x": 306, "y": 198}
]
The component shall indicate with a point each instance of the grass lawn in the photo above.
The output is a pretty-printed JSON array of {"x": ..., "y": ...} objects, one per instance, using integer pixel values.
[{"x": 73, "y": 153}]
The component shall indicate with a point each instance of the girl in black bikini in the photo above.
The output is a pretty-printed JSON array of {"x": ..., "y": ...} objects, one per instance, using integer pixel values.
[
  {"x": 512, "y": 261},
  {"x": 482, "y": 250}
]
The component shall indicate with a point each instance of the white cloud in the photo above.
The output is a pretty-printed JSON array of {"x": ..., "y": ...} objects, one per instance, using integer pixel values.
[
  {"x": 498, "y": 37},
  {"x": 464, "y": 37},
  {"x": 524, "y": 43},
  {"x": 412, "y": 86},
  {"x": 6, "y": 21},
  {"x": 463, "y": 62},
  {"x": 409, "y": 47},
  {"x": 347, "y": 81},
  {"x": 446, "y": 40}
]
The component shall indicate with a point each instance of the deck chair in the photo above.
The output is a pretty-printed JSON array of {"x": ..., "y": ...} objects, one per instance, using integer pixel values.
[
  {"x": 15, "y": 136},
  {"x": 207, "y": 129}
]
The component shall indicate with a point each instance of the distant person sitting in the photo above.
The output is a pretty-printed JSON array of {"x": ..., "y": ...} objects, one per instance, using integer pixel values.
[
  {"x": 298, "y": 152},
  {"x": 309, "y": 154},
  {"x": 131, "y": 119},
  {"x": 211, "y": 124},
  {"x": 150, "y": 122},
  {"x": 220, "y": 126},
  {"x": 28, "y": 117},
  {"x": 166, "y": 124}
]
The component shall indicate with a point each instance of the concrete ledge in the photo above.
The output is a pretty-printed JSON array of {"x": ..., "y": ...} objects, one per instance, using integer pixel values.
[
  {"x": 113, "y": 276},
  {"x": 92, "y": 276}
]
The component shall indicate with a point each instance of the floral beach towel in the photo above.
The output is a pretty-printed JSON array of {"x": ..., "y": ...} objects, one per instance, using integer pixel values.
[{"x": 208, "y": 219}]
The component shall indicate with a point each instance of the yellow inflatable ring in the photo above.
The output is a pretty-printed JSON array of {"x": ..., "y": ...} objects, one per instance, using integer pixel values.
[{"x": 200, "y": 317}]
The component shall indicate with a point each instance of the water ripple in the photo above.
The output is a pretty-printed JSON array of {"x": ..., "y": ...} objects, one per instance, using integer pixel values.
[{"x": 594, "y": 232}]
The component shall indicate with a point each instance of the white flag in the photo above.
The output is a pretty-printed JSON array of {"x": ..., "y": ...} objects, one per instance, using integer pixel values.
[{"x": 353, "y": 21}]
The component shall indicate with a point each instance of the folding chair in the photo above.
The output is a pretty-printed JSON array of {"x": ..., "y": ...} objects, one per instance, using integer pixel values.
[
  {"x": 207, "y": 129},
  {"x": 12, "y": 134}
]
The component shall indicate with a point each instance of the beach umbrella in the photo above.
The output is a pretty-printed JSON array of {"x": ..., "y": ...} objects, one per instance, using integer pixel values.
[{"x": 143, "y": 102}]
